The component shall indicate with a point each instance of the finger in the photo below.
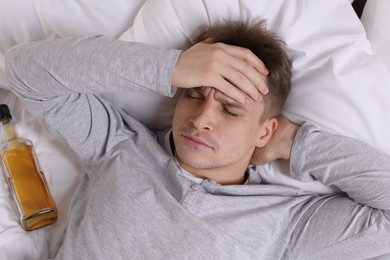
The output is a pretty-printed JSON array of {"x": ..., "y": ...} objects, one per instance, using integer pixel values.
[
  {"x": 230, "y": 90},
  {"x": 245, "y": 77},
  {"x": 257, "y": 79},
  {"x": 246, "y": 55},
  {"x": 241, "y": 81},
  {"x": 220, "y": 73},
  {"x": 248, "y": 64}
]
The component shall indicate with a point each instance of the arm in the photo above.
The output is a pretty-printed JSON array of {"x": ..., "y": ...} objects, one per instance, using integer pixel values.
[
  {"x": 356, "y": 226},
  {"x": 88, "y": 64},
  {"x": 352, "y": 166},
  {"x": 58, "y": 79}
]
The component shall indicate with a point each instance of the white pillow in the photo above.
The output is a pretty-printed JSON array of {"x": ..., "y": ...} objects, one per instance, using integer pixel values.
[
  {"x": 376, "y": 21},
  {"x": 337, "y": 82}
]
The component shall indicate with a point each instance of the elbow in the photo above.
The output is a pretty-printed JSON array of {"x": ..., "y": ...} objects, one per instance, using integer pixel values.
[
  {"x": 19, "y": 70},
  {"x": 13, "y": 67}
]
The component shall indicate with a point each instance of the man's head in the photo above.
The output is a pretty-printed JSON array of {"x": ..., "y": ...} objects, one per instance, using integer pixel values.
[{"x": 214, "y": 135}]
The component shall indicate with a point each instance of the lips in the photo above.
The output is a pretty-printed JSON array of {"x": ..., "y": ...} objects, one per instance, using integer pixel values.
[{"x": 196, "y": 141}]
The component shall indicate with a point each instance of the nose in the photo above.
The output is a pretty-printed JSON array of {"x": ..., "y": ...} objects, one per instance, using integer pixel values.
[{"x": 204, "y": 118}]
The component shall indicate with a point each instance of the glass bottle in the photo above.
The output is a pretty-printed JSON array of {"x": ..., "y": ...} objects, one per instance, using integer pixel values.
[{"x": 26, "y": 182}]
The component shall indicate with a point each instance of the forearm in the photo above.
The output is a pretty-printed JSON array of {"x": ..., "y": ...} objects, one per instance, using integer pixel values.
[
  {"x": 56, "y": 80},
  {"x": 352, "y": 166},
  {"x": 88, "y": 64}
]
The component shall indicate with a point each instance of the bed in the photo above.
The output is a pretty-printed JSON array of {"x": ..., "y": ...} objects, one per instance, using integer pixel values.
[{"x": 341, "y": 78}]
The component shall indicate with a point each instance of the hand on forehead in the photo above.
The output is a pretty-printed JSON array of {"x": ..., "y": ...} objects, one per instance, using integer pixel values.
[{"x": 235, "y": 71}]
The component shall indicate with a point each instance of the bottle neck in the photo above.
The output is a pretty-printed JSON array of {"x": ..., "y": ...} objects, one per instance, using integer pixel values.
[{"x": 8, "y": 130}]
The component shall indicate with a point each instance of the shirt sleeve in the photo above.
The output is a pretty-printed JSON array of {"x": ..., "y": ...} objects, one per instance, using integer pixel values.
[
  {"x": 58, "y": 82},
  {"x": 351, "y": 225}
]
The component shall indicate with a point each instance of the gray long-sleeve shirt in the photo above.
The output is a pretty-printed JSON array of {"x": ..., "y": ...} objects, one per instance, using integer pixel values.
[{"x": 133, "y": 203}]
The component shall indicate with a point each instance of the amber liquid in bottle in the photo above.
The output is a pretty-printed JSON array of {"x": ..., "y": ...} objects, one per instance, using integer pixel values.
[{"x": 25, "y": 182}]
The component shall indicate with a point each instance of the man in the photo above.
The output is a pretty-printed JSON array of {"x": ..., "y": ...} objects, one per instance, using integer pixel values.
[{"x": 194, "y": 196}]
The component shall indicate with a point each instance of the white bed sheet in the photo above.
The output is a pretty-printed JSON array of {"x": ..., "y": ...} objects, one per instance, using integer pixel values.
[{"x": 321, "y": 69}]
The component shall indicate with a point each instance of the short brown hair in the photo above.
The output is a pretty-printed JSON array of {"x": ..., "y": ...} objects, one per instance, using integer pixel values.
[{"x": 265, "y": 45}]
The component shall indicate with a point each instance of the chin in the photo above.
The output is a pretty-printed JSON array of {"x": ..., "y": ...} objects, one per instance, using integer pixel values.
[{"x": 195, "y": 161}]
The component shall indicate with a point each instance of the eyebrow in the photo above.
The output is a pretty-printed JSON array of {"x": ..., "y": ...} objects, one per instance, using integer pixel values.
[{"x": 220, "y": 98}]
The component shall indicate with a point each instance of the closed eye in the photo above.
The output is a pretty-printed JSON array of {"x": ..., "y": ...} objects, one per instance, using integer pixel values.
[{"x": 229, "y": 112}]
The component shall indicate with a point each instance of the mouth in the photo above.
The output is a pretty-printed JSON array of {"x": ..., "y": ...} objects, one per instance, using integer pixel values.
[{"x": 196, "y": 141}]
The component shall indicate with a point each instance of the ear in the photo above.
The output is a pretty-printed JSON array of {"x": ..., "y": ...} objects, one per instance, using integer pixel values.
[{"x": 266, "y": 131}]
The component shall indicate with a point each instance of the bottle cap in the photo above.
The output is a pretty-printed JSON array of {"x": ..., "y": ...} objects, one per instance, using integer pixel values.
[{"x": 4, "y": 112}]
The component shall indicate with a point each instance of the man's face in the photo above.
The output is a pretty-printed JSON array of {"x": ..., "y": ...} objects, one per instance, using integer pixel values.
[{"x": 212, "y": 131}]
